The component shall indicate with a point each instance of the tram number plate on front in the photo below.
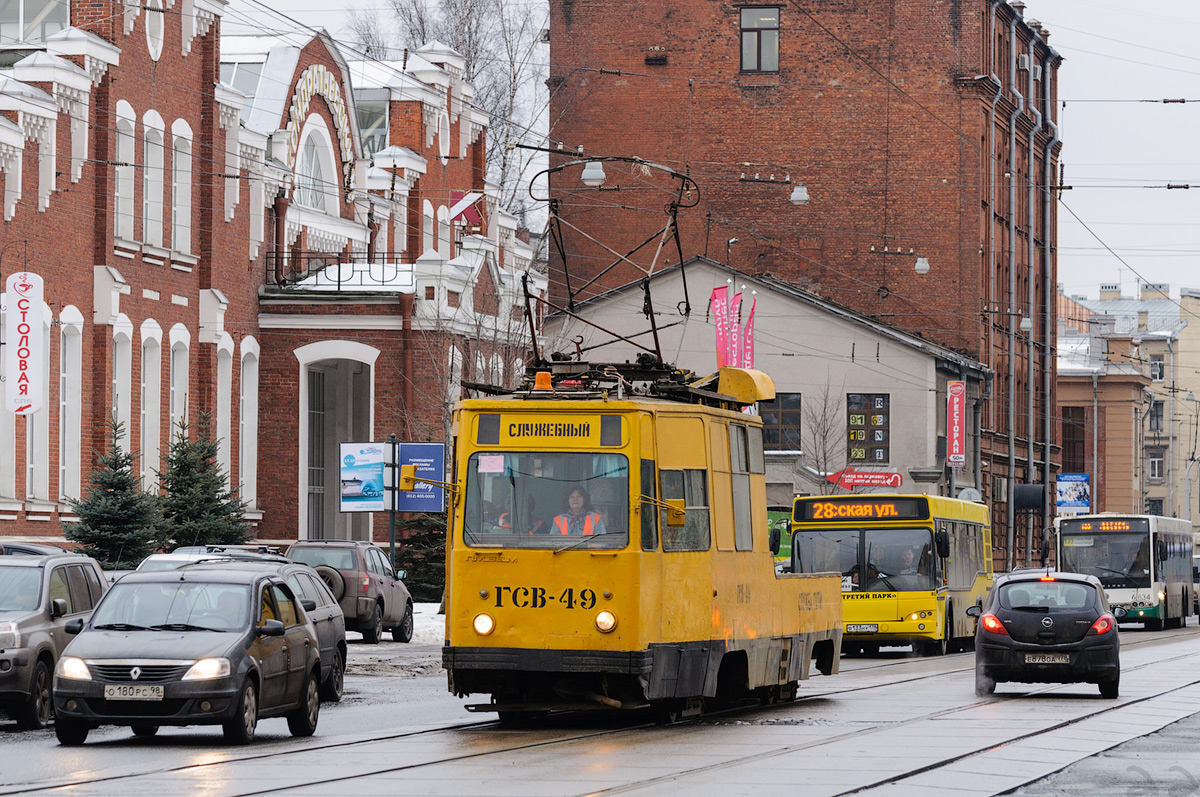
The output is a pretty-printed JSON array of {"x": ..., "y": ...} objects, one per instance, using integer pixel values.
[
  {"x": 862, "y": 628},
  {"x": 1047, "y": 658},
  {"x": 133, "y": 692}
]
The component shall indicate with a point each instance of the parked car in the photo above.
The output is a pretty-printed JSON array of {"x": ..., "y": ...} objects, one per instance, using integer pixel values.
[
  {"x": 372, "y": 596},
  {"x": 318, "y": 603},
  {"x": 1042, "y": 626},
  {"x": 199, "y": 553},
  {"x": 39, "y": 595},
  {"x": 29, "y": 549},
  {"x": 198, "y": 646}
]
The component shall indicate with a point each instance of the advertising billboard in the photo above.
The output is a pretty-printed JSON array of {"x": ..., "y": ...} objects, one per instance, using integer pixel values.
[
  {"x": 368, "y": 475},
  {"x": 1074, "y": 493}
]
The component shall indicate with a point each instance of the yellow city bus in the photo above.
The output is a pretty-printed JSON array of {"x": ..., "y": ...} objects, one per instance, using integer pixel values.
[
  {"x": 911, "y": 565},
  {"x": 667, "y": 594}
]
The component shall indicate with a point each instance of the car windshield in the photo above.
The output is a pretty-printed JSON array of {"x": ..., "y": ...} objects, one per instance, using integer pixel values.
[
  {"x": 1046, "y": 595},
  {"x": 534, "y": 499},
  {"x": 174, "y": 606},
  {"x": 20, "y": 589},
  {"x": 337, "y": 558},
  {"x": 894, "y": 560},
  {"x": 1119, "y": 560}
]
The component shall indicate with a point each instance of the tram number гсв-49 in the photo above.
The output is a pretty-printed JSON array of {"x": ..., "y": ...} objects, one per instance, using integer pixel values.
[{"x": 538, "y": 598}]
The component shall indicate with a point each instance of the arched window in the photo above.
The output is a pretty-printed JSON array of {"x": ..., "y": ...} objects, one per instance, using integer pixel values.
[
  {"x": 152, "y": 181},
  {"x": 178, "y": 379},
  {"x": 155, "y": 28},
  {"x": 123, "y": 210},
  {"x": 151, "y": 403},
  {"x": 181, "y": 187},
  {"x": 317, "y": 180},
  {"x": 37, "y": 431},
  {"x": 496, "y": 377},
  {"x": 70, "y": 403},
  {"x": 443, "y": 232},
  {"x": 427, "y": 228},
  {"x": 248, "y": 429},
  {"x": 224, "y": 404},
  {"x": 122, "y": 371}
]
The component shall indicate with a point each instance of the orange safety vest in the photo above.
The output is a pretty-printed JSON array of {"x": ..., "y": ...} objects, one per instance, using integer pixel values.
[{"x": 589, "y": 520}]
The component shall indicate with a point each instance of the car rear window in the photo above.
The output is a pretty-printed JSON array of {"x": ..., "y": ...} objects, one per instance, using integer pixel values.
[
  {"x": 337, "y": 558},
  {"x": 1049, "y": 594}
]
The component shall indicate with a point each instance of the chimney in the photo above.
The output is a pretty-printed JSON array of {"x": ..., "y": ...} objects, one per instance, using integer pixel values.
[
  {"x": 1156, "y": 290},
  {"x": 1018, "y": 6},
  {"x": 1143, "y": 320},
  {"x": 1118, "y": 349},
  {"x": 1110, "y": 291}
]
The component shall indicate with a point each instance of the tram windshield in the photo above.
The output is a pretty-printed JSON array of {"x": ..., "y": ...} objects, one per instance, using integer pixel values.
[
  {"x": 893, "y": 559},
  {"x": 534, "y": 499},
  {"x": 1120, "y": 561}
]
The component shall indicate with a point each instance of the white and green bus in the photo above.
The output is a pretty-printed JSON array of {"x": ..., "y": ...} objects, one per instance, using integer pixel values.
[{"x": 1143, "y": 561}]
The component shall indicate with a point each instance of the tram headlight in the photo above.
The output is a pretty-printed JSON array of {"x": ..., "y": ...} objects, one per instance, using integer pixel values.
[
  {"x": 484, "y": 624},
  {"x": 606, "y": 621}
]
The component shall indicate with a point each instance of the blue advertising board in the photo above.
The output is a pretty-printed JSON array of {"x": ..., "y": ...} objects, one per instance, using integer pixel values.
[
  {"x": 363, "y": 488},
  {"x": 1074, "y": 493},
  {"x": 430, "y": 459}
]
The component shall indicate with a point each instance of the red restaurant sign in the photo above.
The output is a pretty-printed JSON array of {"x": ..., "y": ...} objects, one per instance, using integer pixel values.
[
  {"x": 956, "y": 424},
  {"x": 24, "y": 371}
]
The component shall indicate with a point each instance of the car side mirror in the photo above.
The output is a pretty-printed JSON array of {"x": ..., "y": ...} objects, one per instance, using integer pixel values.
[
  {"x": 942, "y": 541},
  {"x": 270, "y": 628},
  {"x": 308, "y": 604},
  {"x": 1120, "y": 612},
  {"x": 974, "y": 611},
  {"x": 58, "y": 607},
  {"x": 74, "y": 626},
  {"x": 401, "y": 575},
  {"x": 775, "y": 541}
]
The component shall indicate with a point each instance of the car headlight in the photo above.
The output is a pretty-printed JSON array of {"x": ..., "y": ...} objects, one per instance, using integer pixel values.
[
  {"x": 10, "y": 635},
  {"x": 207, "y": 669},
  {"x": 484, "y": 624},
  {"x": 72, "y": 668},
  {"x": 606, "y": 621}
]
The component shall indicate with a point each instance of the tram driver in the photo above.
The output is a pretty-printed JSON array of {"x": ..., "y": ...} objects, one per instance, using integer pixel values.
[{"x": 580, "y": 517}]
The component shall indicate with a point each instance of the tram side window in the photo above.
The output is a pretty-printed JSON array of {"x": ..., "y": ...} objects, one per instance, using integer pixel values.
[
  {"x": 649, "y": 511},
  {"x": 691, "y": 485},
  {"x": 739, "y": 465}
]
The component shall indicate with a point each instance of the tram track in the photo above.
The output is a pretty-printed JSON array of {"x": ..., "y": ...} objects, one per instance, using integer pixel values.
[{"x": 115, "y": 779}]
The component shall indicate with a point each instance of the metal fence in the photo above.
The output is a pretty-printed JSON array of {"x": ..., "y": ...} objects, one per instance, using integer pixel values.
[{"x": 323, "y": 271}]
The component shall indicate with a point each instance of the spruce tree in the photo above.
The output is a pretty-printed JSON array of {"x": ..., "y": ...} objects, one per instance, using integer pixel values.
[
  {"x": 197, "y": 506},
  {"x": 117, "y": 519},
  {"x": 422, "y": 552}
]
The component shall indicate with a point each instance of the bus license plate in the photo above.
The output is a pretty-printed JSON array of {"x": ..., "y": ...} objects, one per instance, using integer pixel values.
[
  {"x": 862, "y": 628},
  {"x": 1047, "y": 658},
  {"x": 133, "y": 692}
]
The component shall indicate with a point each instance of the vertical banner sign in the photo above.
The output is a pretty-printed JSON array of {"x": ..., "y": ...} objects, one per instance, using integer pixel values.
[
  {"x": 720, "y": 310},
  {"x": 748, "y": 333},
  {"x": 956, "y": 426},
  {"x": 430, "y": 459},
  {"x": 363, "y": 487},
  {"x": 23, "y": 366},
  {"x": 735, "y": 334}
]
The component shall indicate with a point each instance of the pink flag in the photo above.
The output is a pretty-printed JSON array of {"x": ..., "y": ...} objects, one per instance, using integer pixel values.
[
  {"x": 720, "y": 311},
  {"x": 735, "y": 336},
  {"x": 748, "y": 333}
]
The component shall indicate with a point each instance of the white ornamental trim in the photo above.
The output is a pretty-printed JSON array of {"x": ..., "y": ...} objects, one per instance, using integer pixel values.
[{"x": 317, "y": 79}]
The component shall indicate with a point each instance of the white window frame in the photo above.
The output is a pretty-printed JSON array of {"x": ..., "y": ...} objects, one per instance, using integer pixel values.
[
  {"x": 181, "y": 187},
  {"x": 37, "y": 429},
  {"x": 70, "y": 403},
  {"x": 428, "y": 227},
  {"x": 150, "y": 404},
  {"x": 1156, "y": 469},
  {"x": 177, "y": 379},
  {"x": 248, "y": 424},
  {"x": 124, "y": 172},
  {"x": 153, "y": 174},
  {"x": 224, "y": 408}
]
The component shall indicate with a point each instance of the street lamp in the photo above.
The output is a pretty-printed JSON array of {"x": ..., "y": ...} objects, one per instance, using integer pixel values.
[
  {"x": 593, "y": 174},
  {"x": 799, "y": 195}
]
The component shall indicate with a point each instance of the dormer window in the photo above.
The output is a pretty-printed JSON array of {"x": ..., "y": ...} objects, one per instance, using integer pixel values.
[{"x": 32, "y": 20}]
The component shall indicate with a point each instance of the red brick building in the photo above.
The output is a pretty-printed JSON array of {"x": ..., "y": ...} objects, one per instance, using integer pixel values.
[
  {"x": 223, "y": 228},
  {"x": 924, "y": 136}
]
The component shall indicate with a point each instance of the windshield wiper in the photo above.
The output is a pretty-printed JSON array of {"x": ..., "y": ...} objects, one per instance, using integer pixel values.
[
  {"x": 119, "y": 627},
  {"x": 181, "y": 627},
  {"x": 584, "y": 539}
]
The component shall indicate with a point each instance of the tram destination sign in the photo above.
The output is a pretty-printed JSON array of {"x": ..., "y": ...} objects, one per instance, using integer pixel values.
[{"x": 861, "y": 508}]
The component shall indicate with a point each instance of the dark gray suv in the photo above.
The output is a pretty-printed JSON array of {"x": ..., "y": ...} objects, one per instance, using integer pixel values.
[
  {"x": 38, "y": 596},
  {"x": 373, "y": 596}
]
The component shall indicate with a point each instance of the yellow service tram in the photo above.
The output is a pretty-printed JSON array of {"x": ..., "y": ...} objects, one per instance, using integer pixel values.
[{"x": 608, "y": 547}]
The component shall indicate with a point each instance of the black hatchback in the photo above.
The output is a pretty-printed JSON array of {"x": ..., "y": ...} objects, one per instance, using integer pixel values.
[
  {"x": 1042, "y": 626},
  {"x": 215, "y": 646}
]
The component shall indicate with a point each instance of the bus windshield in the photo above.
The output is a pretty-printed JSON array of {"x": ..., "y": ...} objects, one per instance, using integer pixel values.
[
  {"x": 1120, "y": 561},
  {"x": 537, "y": 499},
  {"x": 893, "y": 559}
]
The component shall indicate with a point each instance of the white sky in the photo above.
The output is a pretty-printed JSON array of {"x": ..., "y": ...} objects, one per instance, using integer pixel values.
[{"x": 1119, "y": 154}]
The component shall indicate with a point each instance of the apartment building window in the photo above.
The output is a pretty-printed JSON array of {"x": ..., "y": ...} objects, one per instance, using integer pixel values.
[
  {"x": 1156, "y": 465},
  {"x": 1156, "y": 367},
  {"x": 1154, "y": 506},
  {"x": 181, "y": 187},
  {"x": 781, "y": 422},
  {"x": 1156, "y": 416},
  {"x": 1074, "y": 440},
  {"x": 760, "y": 39}
]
